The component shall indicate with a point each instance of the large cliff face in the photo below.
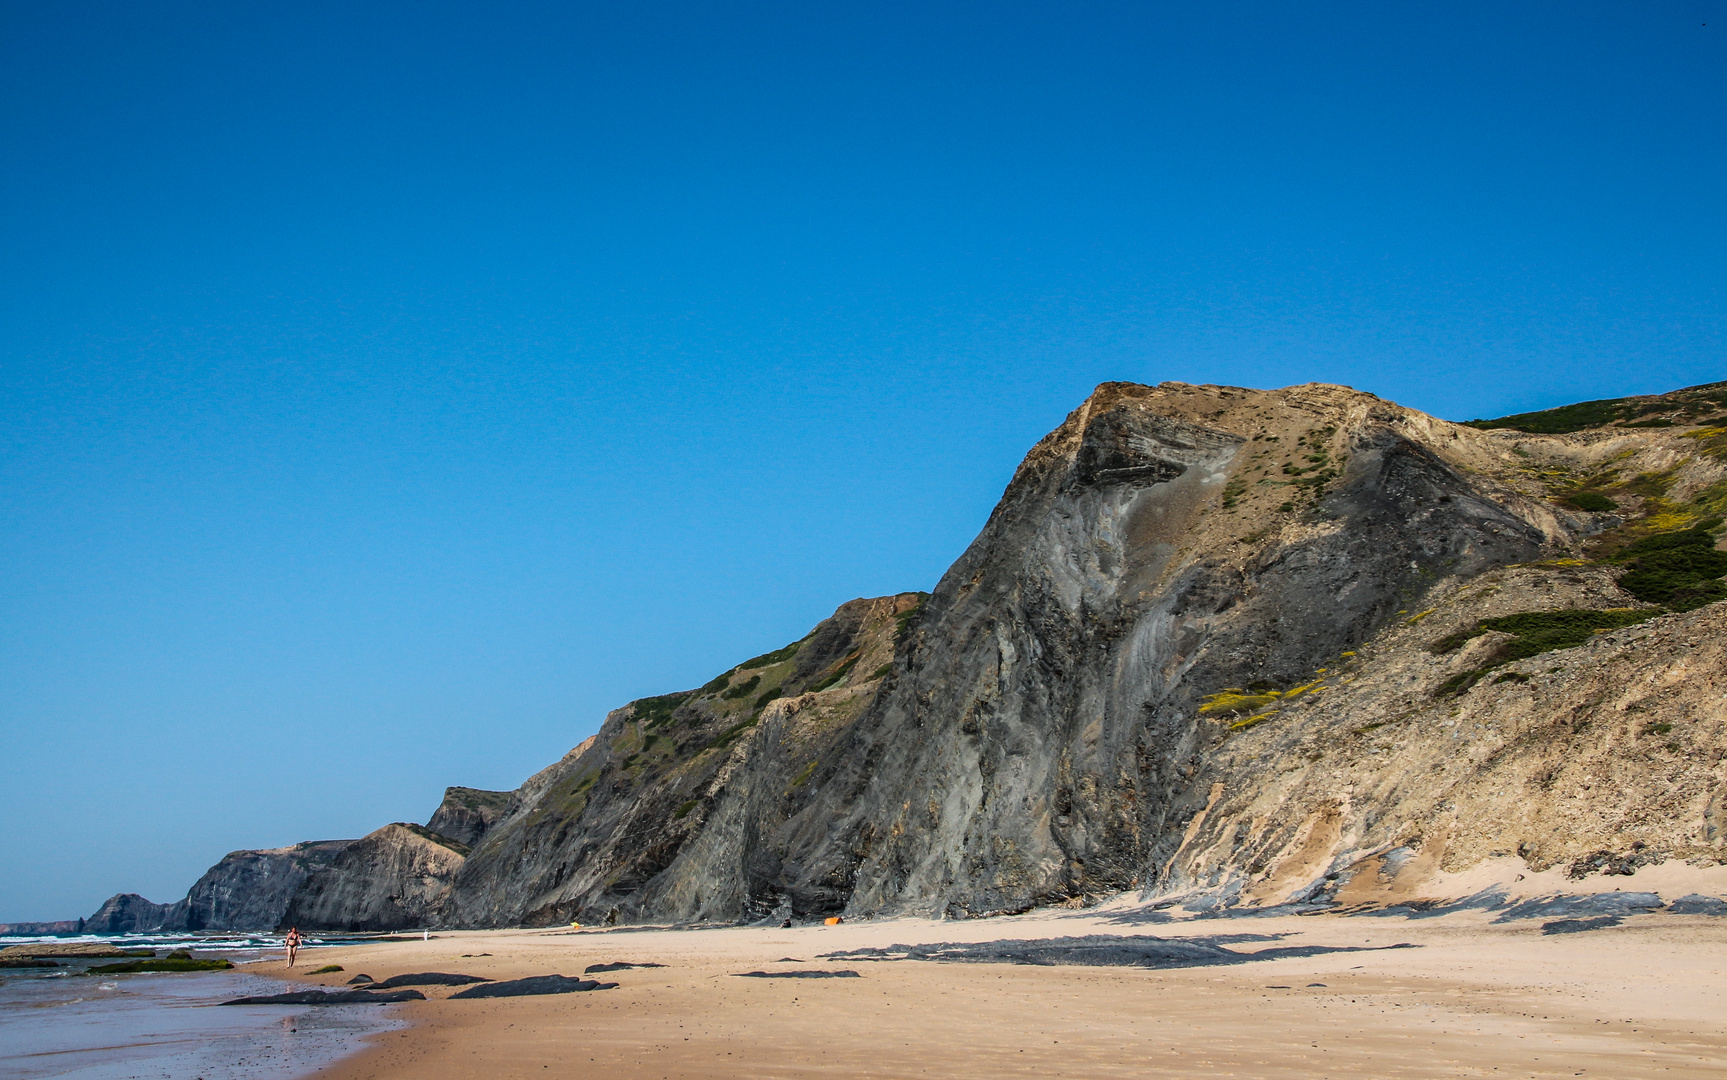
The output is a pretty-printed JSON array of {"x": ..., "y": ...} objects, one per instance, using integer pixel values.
[
  {"x": 1041, "y": 735},
  {"x": 1195, "y": 650},
  {"x": 250, "y": 890},
  {"x": 1234, "y": 646}
]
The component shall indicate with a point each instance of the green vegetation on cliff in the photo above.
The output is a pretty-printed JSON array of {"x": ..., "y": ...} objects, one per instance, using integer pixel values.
[{"x": 1689, "y": 405}]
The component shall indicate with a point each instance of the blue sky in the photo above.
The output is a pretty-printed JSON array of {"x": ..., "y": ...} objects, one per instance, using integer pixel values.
[{"x": 388, "y": 390}]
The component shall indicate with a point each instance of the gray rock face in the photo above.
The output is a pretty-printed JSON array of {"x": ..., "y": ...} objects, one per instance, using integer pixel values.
[
  {"x": 1036, "y": 743},
  {"x": 247, "y": 890},
  {"x": 467, "y": 814},
  {"x": 659, "y": 814},
  {"x": 250, "y": 890},
  {"x": 386, "y": 880}
]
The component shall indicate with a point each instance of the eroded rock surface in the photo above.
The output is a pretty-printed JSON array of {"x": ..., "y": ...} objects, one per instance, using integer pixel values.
[{"x": 387, "y": 880}]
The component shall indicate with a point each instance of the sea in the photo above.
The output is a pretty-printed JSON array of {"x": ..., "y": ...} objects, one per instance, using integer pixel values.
[{"x": 59, "y": 1022}]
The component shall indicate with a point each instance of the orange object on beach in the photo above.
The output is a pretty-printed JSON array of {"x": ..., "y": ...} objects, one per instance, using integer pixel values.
[{"x": 832, "y": 920}]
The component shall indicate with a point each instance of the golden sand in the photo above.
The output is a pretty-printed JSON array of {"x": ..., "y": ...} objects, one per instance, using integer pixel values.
[{"x": 1471, "y": 999}]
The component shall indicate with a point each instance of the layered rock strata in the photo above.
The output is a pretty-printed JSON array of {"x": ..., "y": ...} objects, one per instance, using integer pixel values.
[
  {"x": 662, "y": 813},
  {"x": 250, "y": 890}
]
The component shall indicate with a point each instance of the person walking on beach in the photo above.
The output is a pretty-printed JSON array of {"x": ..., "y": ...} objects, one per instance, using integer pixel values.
[{"x": 293, "y": 941}]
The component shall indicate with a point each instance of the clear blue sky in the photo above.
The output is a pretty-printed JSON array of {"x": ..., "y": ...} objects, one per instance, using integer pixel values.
[{"x": 389, "y": 390}]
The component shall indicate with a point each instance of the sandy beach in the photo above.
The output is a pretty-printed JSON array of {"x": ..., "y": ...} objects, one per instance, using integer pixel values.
[{"x": 1467, "y": 998}]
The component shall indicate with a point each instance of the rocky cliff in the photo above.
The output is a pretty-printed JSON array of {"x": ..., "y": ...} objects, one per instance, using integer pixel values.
[
  {"x": 246, "y": 890},
  {"x": 1213, "y": 642},
  {"x": 250, "y": 890},
  {"x": 127, "y": 913},
  {"x": 386, "y": 880},
  {"x": 1214, "y": 645},
  {"x": 662, "y": 813}
]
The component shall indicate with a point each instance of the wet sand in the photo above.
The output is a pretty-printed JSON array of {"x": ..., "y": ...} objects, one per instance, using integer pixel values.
[
  {"x": 1472, "y": 998},
  {"x": 167, "y": 1027}
]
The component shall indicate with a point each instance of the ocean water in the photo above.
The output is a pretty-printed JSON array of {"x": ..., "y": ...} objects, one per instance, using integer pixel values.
[{"x": 57, "y": 1022}]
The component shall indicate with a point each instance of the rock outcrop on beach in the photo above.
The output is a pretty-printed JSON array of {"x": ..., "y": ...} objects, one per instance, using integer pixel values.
[
  {"x": 387, "y": 880},
  {"x": 1247, "y": 647},
  {"x": 467, "y": 814}
]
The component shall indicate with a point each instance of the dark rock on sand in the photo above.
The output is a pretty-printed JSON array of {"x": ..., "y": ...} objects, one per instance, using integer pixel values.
[
  {"x": 358, "y": 979},
  {"x": 428, "y": 978},
  {"x": 331, "y": 997},
  {"x": 847, "y": 974},
  {"x": 1097, "y": 950},
  {"x": 1698, "y": 904},
  {"x": 1577, "y": 926},
  {"x": 617, "y": 965},
  {"x": 1614, "y": 903},
  {"x": 533, "y": 987}
]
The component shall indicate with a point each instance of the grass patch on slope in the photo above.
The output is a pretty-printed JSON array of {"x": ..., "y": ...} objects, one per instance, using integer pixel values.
[
  {"x": 839, "y": 671},
  {"x": 904, "y": 619},
  {"x": 1592, "y": 501},
  {"x": 1691, "y": 404},
  {"x": 1679, "y": 570},
  {"x": 765, "y": 659},
  {"x": 654, "y": 711},
  {"x": 1533, "y": 633}
]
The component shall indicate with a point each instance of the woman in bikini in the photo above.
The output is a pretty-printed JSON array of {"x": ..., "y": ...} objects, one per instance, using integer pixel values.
[{"x": 293, "y": 941}]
